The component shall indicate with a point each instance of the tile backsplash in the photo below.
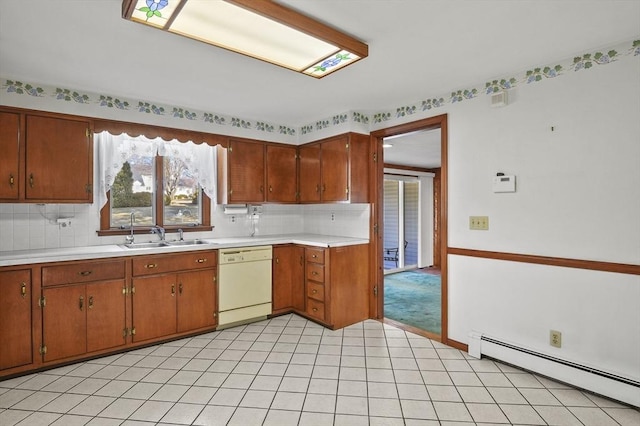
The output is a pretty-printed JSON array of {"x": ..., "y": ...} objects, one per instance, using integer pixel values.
[{"x": 35, "y": 226}]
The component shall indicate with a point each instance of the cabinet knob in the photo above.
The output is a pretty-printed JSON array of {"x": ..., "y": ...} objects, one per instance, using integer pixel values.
[
  {"x": 314, "y": 272},
  {"x": 314, "y": 291},
  {"x": 315, "y": 309},
  {"x": 270, "y": 188},
  {"x": 11, "y": 180},
  {"x": 23, "y": 289},
  {"x": 151, "y": 265},
  {"x": 31, "y": 180},
  {"x": 203, "y": 260},
  {"x": 180, "y": 288},
  {"x": 277, "y": 260},
  {"x": 81, "y": 302},
  {"x": 90, "y": 302},
  {"x": 84, "y": 273},
  {"x": 173, "y": 289}
]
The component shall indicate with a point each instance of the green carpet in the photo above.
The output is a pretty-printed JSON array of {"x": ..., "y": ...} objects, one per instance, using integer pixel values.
[{"x": 413, "y": 298}]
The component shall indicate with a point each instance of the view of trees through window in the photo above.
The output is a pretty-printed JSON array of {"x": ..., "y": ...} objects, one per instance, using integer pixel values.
[{"x": 134, "y": 190}]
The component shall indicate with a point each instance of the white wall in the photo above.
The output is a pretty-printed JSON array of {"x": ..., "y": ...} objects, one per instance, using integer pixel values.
[{"x": 578, "y": 196}]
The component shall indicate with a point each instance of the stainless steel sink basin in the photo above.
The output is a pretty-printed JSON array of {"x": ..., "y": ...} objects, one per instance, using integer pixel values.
[
  {"x": 146, "y": 245},
  {"x": 185, "y": 242}
]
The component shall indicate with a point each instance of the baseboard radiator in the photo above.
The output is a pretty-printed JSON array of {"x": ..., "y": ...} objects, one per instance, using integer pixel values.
[{"x": 600, "y": 382}]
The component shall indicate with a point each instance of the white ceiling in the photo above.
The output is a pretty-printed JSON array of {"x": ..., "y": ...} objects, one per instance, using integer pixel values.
[{"x": 417, "y": 48}]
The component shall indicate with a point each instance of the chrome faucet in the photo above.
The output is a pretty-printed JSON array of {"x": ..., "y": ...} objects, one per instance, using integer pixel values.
[
  {"x": 180, "y": 232},
  {"x": 129, "y": 238},
  {"x": 158, "y": 230}
]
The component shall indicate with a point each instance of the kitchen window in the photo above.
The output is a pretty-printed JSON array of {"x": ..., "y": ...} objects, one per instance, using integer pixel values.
[{"x": 155, "y": 182}]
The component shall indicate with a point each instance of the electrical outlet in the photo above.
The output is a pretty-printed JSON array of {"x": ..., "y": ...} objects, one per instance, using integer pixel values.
[
  {"x": 333, "y": 217},
  {"x": 479, "y": 223},
  {"x": 555, "y": 339}
]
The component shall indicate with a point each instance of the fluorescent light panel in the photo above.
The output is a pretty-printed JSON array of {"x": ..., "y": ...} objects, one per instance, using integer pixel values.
[{"x": 261, "y": 29}]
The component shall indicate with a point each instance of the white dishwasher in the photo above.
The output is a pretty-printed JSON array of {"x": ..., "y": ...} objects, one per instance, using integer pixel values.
[{"x": 244, "y": 285}]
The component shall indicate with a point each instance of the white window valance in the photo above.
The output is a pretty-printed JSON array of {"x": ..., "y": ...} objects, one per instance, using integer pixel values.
[{"x": 115, "y": 150}]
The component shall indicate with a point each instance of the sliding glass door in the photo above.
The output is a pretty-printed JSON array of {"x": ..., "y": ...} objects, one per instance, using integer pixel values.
[{"x": 401, "y": 222}]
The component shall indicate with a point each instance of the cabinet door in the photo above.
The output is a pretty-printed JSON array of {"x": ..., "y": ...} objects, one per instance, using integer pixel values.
[
  {"x": 154, "y": 306},
  {"x": 309, "y": 173},
  {"x": 64, "y": 325},
  {"x": 281, "y": 174},
  {"x": 288, "y": 278},
  {"x": 59, "y": 160},
  {"x": 15, "y": 319},
  {"x": 105, "y": 315},
  {"x": 246, "y": 171},
  {"x": 9, "y": 160},
  {"x": 335, "y": 170},
  {"x": 196, "y": 300}
]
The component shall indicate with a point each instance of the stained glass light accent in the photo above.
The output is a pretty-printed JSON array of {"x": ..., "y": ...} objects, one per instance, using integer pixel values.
[{"x": 261, "y": 29}]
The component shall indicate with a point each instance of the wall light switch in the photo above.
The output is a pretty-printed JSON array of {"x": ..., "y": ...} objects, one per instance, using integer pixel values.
[{"x": 479, "y": 223}]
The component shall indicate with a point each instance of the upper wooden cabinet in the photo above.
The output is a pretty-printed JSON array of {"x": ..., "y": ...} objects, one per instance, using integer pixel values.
[
  {"x": 335, "y": 170},
  {"x": 49, "y": 158},
  {"x": 282, "y": 185},
  {"x": 241, "y": 172},
  {"x": 10, "y": 158}
]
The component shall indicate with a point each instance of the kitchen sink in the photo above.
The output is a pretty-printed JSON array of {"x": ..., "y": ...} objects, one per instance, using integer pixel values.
[
  {"x": 185, "y": 242},
  {"x": 146, "y": 245}
]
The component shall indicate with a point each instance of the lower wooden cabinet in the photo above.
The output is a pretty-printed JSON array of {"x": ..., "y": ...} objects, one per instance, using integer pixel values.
[
  {"x": 287, "y": 279},
  {"x": 83, "y": 318},
  {"x": 337, "y": 285},
  {"x": 15, "y": 319},
  {"x": 83, "y": 308},
  {"x": 168, "y": 299}
]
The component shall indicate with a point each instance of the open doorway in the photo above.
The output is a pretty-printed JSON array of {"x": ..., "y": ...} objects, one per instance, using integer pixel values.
[{"x": 418, "y": 246}]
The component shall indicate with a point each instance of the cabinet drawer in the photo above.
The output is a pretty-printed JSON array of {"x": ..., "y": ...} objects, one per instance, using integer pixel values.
[
  {"x": 82, "y": 272},
  {"x": 315, "y": 255},
  {"x": 315, "y": 272},
  {"x": 315, "y": 309},
  {"x": 315, "y": 291},
  {"x": 157, "y": 264}
]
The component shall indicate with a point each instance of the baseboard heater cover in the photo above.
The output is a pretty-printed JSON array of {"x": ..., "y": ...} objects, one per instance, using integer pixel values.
[{"x": 601, "y": 382}]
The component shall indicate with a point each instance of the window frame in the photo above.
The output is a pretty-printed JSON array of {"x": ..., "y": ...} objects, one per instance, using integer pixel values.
[{"x": 166, "y": 133}]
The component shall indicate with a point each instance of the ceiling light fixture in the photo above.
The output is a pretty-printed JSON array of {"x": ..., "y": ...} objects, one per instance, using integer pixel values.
[{"x": 261, "y": 29}]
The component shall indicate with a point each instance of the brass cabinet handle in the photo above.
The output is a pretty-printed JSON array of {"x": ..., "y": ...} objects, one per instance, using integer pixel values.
[
  {"x": 314, "y": 291},
  {"x": 81, "y": 302},
  {"x": 173, "y": 289},
  {"x": 324, "y": 187},
  {"x": 84, "y": 273},
  {"x": 261, "y": 189},
  {"x": 314, "y": 256},
  {"x": 315, "y": 309},
  {"x": 11, "y": 180},
  {"x": 90, "y": 302},
  {"x": 318, "y": 188},
  {"x": 203, "y": 260},
  {"x": 31, "y": 180},
  {"x": 180, "y": 288},
  {"x": 314, "y": 272},
  {"x": 151, "y": 265},
  {"x": 270, "y": 188},
  {"x": 23, "y": 289}
]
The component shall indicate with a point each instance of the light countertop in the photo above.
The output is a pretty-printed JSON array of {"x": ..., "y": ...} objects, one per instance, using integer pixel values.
[{"x": 23, "y": 257}]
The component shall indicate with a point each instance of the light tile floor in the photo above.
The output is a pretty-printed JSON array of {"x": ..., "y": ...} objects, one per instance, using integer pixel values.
[{"x": 290, "y": 371}]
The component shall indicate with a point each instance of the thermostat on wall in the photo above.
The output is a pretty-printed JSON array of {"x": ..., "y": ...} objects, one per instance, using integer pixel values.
[{"x": 502, "y": 183}]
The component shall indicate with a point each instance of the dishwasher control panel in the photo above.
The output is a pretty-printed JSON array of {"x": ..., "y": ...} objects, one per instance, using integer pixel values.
[{"x": 244, "y": 254}]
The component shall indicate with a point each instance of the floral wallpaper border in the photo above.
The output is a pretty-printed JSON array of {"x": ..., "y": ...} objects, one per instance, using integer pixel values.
[{"x": 531, "y": 76}]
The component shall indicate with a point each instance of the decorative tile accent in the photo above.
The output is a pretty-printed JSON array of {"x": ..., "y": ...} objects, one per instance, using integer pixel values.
[
  {"x": 461, "y": 95},
  {"x": 405, "y": 110},
  {"x": 23, "y": 89},
  {"x": 149, "y": 108},
  {"x": 537, "y": 74},
  {"x": 237, "y": 122},
  {"x": 183, "y": 113},
  {"x": 497, "y": 86},
  {"x": 109, "y": 102},
  {"x": 67, "y": 95},
  {"x": 432, "y": 103},
  {"x": 360, "y": 118}
]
